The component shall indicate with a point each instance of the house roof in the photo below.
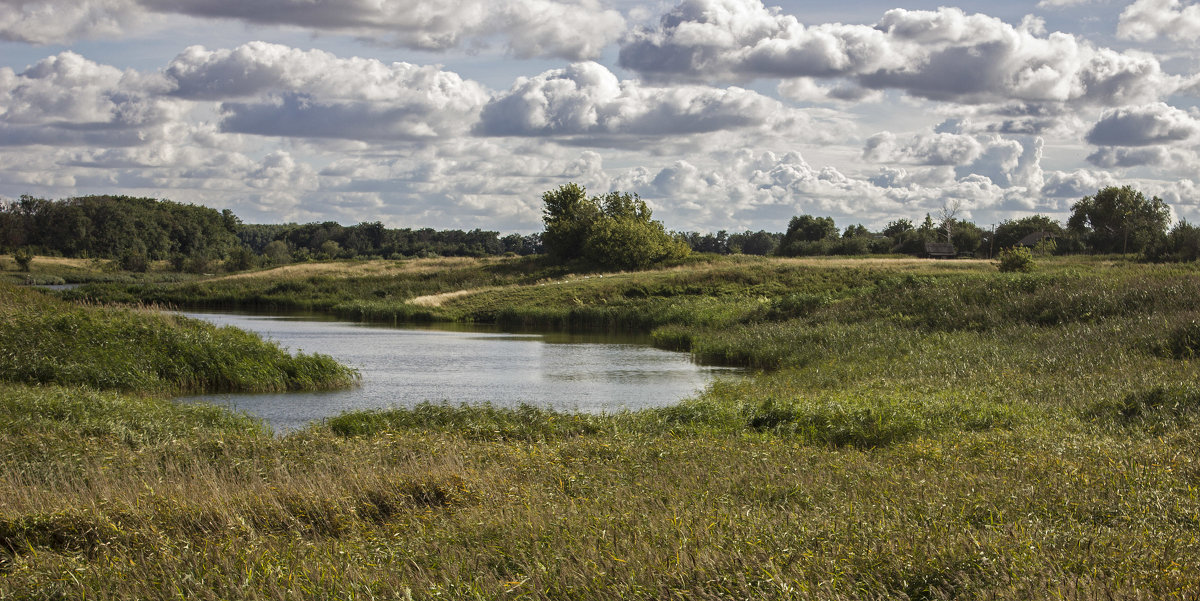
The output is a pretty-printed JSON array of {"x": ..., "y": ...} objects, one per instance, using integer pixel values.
[{"x": 1034, "y": 238}]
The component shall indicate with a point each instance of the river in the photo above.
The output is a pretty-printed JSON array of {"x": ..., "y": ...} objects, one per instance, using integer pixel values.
[{"x": 404, "y": 366}]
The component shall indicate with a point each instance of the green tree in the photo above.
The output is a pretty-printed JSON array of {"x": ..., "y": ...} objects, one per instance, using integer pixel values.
[
  {"x": 1119, "y": 220},
  {"x": 612, "y": 230},
  {"x": 808, "y": 235},
  {"x": 1009, "y": 232},
  {"x": 1182, "y": 244},
  {"x": 966, "y": 236},
  {"x": 134, "y": 258},
  {"x": 569, "y": 215},
  {"x": 241, "y": 259},
  {"x": 330, "y": 249},
  {"x": 277, "y": 252}
]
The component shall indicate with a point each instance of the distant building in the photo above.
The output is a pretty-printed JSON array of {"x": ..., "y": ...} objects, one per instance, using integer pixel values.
[
  {"x": 940, "y": 250},
  {"x": 1034, "y": 239}
]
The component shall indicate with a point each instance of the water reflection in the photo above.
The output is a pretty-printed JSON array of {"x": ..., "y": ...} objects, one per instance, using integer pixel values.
[{"x": 405, "y": 366}]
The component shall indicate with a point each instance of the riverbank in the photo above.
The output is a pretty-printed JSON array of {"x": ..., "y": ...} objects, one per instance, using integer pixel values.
[{"x": 924, "y": 430}]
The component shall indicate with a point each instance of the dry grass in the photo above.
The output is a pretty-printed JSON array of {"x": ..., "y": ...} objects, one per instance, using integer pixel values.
[
  {"x": 9, "y": 263},
  {"x": 350, "y": 269}
]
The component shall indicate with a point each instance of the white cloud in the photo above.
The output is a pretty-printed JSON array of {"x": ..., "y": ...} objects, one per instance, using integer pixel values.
[
  {"x": 49, "y": 22},
  {"x": 68, "y": 100},
  {"x": 941, "y": 55},
  {"x": 923, "y": 149},
  {"x": 529, "y": 27},
  {"x": 1077, "y": 183},
  {"x": 1180, "y": 160},
  {"x": 1144, "y": 125},
  {"x": 806, "y": 89},
  {"x": 283, "y": 91},
  {"x": 1062, "y": 3},
  {"x": 1146, "y": 20},
  {"x": 586, "y": 99}
]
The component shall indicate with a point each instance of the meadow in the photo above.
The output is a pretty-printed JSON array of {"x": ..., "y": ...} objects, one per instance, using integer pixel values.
[{"x": 915, "y": 429}]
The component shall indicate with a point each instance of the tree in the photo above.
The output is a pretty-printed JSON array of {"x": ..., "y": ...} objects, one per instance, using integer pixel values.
[
  {"x": 1011, "y": 231},
  {"x": 612, "y": 230},
  {"x": 808, "y": 235},
  {"x": 1119, "y": 220},
  {"x": 568, "y": 215},
  {"x": 895, "y": 228},
  {"x": 967, "y": 236},
  {"x": 277, "y": 252},
  {"x": 1182, "y": 244},
  {"x": 759, "y": 243},
  {"x": 946, "y": 218},
  {"x": 330, "y": 249}
]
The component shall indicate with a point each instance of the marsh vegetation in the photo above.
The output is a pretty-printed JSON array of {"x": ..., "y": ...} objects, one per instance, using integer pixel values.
[{"x": 917, "y": 429}]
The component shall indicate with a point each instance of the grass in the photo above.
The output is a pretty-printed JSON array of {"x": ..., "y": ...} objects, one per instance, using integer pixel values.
[
  {"x": 48, "y": 341},
  {"x": 918, "y": 430},
  {"x": 44, "y": 271}
]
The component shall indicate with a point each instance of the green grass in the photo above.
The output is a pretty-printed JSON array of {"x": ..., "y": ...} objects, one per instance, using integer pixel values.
[
  {"x": 47, "y": 341},
  {"x": 916, "y": 430}
]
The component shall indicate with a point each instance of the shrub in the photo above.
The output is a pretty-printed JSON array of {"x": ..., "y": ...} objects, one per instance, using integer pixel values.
[
  {"x": 23, "y": 257},
  {"x": 1016, "y": 259},
  {"x": 134, "y": 259}
]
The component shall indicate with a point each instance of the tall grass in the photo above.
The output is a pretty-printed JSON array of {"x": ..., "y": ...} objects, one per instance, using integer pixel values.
[
  {"x": 47, "y": 341},
  {"x": 956, "y": 434}
]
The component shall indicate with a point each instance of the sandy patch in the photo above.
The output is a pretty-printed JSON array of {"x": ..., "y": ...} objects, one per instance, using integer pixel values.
[{"x": 436, "y": 300}]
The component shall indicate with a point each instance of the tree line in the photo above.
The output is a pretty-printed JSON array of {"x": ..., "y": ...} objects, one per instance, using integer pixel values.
[
  {"x": 1114, "y": 220},
  {"x": 613, "y": 230},
  {"x": 136, "y": 231}
]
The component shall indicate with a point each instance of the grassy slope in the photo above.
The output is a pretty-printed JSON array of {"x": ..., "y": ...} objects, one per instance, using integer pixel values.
[{"x": 926, "y": 430}]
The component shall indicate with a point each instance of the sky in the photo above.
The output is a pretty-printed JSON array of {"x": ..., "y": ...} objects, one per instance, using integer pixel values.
[{"x": 722, "y": 114}]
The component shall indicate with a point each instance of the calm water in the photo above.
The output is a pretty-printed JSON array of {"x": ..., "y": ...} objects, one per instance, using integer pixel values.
[{"x": 402, "y": 367}]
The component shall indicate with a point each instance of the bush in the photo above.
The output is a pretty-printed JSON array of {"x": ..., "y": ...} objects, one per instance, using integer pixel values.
[
  {"x": 23, "y": 257},
  {"x": 1016, "y": 259},
  {"x": 134, "y": 259}
]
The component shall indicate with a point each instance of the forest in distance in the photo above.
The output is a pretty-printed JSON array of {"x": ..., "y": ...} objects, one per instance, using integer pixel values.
[{"x": 139, "y": 231}]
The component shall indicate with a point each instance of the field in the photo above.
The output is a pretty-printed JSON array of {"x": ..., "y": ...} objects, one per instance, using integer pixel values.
[{"x": 915, "y": 429}]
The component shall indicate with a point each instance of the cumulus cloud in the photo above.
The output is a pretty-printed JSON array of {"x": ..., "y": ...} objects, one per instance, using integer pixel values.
[
  {"x": 1163, "y": 158},
  {"x": 1149, "y": 19},
  {"x": 68, "y": 100},
  {"x": 806, "y": 89},
  {"x": 754, "y": 187},
  {"x": 941, "y": 55},
  {"x": 48, "y": 22},
  {"x": 586, "y": 99},
  {"x": 1144, "y": 125},
  {"x": 291, "y": 92},
  {"x": 923, "y": 149},
  {"x": 530, "y": 27},
  {"x": 1077, "y": 183},
  {"x": 957, "y": 156}
]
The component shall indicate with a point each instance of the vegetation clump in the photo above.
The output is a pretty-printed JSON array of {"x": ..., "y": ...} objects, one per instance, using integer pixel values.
[
  {"x": 1018, "y": 259},
  {"x": 612, "y": 231},
  {"x": 47, "y": 341}
]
